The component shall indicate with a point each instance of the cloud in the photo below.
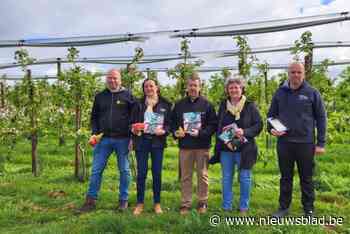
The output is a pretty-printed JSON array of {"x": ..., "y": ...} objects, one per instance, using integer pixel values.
[{"x": 44, "y": 18}]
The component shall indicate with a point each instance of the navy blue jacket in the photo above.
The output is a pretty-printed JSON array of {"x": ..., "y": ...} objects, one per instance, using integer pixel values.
[
  {"x": 302, "y": 111},
  {"x": 251, "y": 123},
  {"x": 208, "y": 120},
  {"x": 137, "y": 116},
  {"x": 111, "y": 113}
]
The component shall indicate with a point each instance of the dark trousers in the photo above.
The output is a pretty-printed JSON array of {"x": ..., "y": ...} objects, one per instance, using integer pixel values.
[
  {"x": 142, "y": 156},
  {"x": 303, "y": 155}
]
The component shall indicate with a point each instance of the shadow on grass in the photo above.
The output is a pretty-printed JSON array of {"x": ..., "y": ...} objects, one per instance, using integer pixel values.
[{"x": 65, "y": 179}]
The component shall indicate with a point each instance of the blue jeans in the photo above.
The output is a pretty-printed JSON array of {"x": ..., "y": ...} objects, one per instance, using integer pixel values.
[
  {"x": 142, "y": 156},
  {"x": 102, "y": 152},
  {"x": 230, "y": 160}
]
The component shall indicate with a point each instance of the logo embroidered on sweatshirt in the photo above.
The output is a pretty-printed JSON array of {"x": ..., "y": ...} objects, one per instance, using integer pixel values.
[
  {"x": 303, "y": 97},
  {"x": 119, "y": 102}
]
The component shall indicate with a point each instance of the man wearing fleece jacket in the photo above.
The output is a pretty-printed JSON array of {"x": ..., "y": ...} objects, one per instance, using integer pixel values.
[
  {"x": 193, "y": 123},
  {"x": 110, "y": 116},
  {"x": 300, "y": 108}
]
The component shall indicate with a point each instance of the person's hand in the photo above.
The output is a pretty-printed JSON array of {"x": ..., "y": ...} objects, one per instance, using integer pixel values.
[
  {"x": 239, "y": 133},
  {"x": 180, "y": 133},
  {"x": 194, "y": 133},
  {"x": 130, "y": 146},
  {"x": 137, "y": 128},
  {"x": 93, "y": 140},
  {"x": 276, "y": 133},
  {"x": 136, "y": 131},
  {"x": 319, "y": 150},
  {"x": 159, "y": 131},
  {"x": 230, "y": 146},
  {"x": 226, "y": 127}
]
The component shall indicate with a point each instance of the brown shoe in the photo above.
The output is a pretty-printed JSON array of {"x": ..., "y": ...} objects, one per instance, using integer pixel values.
[
  {"x": 123, "y": 205},
  {"x": 138, "y": 209},
  {"x": 157, "y": 208},
  {"x": 243, "y": 212},
  {"x": 89, "y": 205},
  {"x": 202, "y": 207},
  {"x": 184, "y": 210}
]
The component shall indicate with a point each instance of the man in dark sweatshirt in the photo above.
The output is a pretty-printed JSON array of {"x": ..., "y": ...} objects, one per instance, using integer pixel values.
[
  {"x": 300, "y": 108},
  {"x": 110, "y": 116},
  {"x": 193, "y": 123}
]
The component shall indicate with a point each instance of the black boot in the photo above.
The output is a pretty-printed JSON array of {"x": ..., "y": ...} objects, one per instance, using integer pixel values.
[
  {"x": 308, "y": 213},
  {"x": 280, "y": 213},
  {"x": 123, "y": 205}
]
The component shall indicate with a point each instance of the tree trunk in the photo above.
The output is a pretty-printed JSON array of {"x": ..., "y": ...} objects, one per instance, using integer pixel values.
[
  {"x": 130, "y": 74},
  {"x": 34, "y": 139},
  {"x": 265, "y": 88},
  {"x": 61, "y": 140},
  {"x": 2, "y": 93},
  {"x": 133, "y": 166},
  {"x": 308, "y": 65},
  {"x": 241, "y": 64},
  {"x": 33, "y": 131},
  {"x": 267, "y": 135},
  {"x": 148, "y": 72},
  {"x": 77, "y": 146}
]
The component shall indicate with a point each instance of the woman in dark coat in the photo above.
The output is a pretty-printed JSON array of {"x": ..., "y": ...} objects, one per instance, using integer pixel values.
[
  {"x": 152, "y": 112},
  {"x": 241, "y": 118}
]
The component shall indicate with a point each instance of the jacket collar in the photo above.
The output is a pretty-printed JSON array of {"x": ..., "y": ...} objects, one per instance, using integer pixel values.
[
  {"x": 121, "y": 89},
  {"x": 190, "y": 100},
  {"x": 286, "y": 86}
]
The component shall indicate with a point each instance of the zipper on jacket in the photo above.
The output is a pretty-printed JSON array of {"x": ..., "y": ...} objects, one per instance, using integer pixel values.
[{"x": 111, "y": 114}]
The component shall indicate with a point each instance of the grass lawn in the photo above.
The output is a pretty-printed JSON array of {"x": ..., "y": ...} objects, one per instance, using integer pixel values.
[{"x": 45, "y": 204}]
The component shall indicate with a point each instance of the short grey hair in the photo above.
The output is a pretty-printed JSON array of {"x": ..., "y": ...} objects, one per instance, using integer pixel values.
[
  {"x": 113, "y": 70},
  {"x": 296, "y": 63},
  {"x": 194, "y": 77},
  {"x": 235, "y": 79}
]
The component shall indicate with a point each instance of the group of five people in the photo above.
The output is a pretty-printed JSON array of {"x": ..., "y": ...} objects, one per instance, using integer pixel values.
[{"x": 193, "y": 121}]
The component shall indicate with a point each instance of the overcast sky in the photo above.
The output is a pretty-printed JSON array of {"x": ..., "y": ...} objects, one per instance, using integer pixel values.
[{"x": 24, "y": 19}]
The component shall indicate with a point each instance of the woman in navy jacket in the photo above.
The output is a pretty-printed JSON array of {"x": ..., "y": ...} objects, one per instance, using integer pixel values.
[
  {"x": 242, "y": 152},
  {"x": 154, "y": 111}
]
